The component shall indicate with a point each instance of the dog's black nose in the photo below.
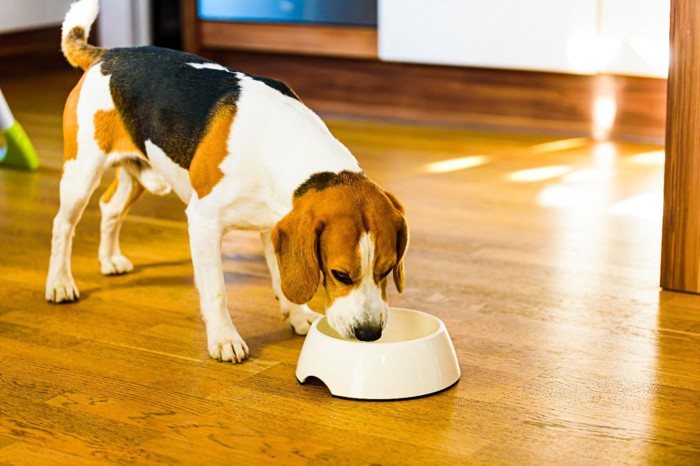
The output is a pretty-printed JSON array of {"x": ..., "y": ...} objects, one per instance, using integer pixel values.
[{"x": 368, "y": 332}]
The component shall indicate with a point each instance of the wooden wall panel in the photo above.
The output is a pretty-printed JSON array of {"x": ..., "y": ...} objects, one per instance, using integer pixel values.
[
  {"x": 339, "y": 41},
  {"x": 31, "y": 50},
  {"x": 519, "y": 101},
  {"x": 680, "y": 256}
]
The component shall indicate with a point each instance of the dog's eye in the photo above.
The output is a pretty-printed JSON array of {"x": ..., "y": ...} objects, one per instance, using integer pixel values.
[{"x": 342, "y": 277}]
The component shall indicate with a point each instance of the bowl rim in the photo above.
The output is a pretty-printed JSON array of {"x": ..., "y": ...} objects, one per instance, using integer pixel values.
[{"x": 441, "y": 329}]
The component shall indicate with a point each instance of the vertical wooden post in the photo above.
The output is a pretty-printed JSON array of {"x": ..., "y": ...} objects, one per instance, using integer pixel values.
[{"x": 680, "y": 249}]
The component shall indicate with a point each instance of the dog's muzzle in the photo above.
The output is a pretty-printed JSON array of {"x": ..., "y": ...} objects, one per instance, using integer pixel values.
[{"x": 368, "y": 332}]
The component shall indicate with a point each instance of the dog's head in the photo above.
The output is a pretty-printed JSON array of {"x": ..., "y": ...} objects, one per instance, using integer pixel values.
[{"x": 352, "y": 232}]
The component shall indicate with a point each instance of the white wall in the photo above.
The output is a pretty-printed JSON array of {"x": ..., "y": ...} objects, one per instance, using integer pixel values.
[
  {"x": 17, "y": 15},
  {"x": 124, "y": 23},
  {"x": 520, "y": 34},
  {"x": 636, "y": 32}
]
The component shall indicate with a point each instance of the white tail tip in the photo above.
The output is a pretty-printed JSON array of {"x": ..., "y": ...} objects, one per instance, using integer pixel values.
[{"x": 81, "y": 13}]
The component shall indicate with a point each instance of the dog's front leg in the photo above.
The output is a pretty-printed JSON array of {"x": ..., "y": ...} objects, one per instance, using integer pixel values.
[
  {"x": 224, "y": 342},
  {"x": 299, "y": 316}
]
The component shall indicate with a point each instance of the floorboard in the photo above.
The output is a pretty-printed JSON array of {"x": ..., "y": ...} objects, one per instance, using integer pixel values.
[{"x": 540, "y": 254}]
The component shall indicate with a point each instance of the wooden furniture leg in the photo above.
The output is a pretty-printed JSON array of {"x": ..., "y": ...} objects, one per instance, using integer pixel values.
[{"x": 680, "y": 253}]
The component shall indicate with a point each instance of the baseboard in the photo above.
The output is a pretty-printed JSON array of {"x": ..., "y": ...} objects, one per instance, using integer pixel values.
[
  {"x": 31, "y": 51},
  {"x": 513, "y": 101}
]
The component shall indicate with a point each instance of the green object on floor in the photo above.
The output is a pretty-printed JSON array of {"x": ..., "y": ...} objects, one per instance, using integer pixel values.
[{"x": 18, "y": 151}]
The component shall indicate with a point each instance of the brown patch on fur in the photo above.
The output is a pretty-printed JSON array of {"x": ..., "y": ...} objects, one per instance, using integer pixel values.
[
  {"x": 205, "y": 173},
  {"x": 136, "y": 191},
  {"x": 401, "y": 242},
  {"x": 340, "y": 250},
  {"x": 111, "y": 189},
  {"x": 78, "y": 52},
  {"x": 295, "y": 240},
  {"x": 111, "y": 134},
  {"x": 70, "y": 123},
  {"x": 323, "y": 230}
]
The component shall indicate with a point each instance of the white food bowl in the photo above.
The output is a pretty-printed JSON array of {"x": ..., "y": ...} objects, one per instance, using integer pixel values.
[{"x": 414, "y": 357}]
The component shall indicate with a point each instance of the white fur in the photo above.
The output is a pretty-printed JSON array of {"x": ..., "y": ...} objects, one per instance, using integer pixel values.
[
  {"x": 79, "y": 180},
  {"x": 149, "y": 178},
  {"x": 112, "y": 261},
  {"x": 94, "y": 96},
  {"x": 343, "y": 314},
  {"x": 267, "y": 160},
  {"x": 81, "y": 13},
  {"x": 275, "y": 143},
  {"x": 209, "y": 66},
  {"x": 224, "y": 341},
  {"x": 174, "y": 174}
]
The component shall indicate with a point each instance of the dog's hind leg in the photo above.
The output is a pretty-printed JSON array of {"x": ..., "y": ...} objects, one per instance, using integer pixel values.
[
  {"x": 83, "y": 166},
  {"x": 80, "y": 178},
  {"x": 114, "y": 206},
  {"x": 131, "y": 180}
]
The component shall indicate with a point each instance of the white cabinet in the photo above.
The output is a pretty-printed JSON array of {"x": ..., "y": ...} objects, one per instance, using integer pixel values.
[
  {"x": 571, "y": 36},
  {"x": 636, "y": 33},
  {"x": 124, "y": 23}
]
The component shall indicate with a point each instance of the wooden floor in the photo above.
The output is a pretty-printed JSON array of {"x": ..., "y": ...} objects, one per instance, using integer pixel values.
[{"x": 541, "y": 255}]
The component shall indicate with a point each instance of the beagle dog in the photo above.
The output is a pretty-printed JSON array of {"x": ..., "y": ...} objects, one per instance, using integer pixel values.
[{"x": 242, "y": 152}]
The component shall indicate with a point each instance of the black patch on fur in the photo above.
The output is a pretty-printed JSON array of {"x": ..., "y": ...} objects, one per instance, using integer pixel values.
[
  {"x": 164, "y": 99},
  {"x": 279, "y": 86},
  {"x": 324, "y": 180}
]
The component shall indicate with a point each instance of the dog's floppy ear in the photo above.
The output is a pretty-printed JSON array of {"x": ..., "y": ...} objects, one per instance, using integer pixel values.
[
  {"x": 295, "y": 240},
  {"x": 401, "y": 246},
  {"x": 401, "y": 242}
]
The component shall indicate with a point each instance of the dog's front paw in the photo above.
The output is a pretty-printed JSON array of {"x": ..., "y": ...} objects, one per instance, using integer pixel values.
[
  {"x": 116, "y": 264},
  {"x": 62, "y": 290},
  {"x": 301, "y": 318},
  {"x": 226, "y": 345}
]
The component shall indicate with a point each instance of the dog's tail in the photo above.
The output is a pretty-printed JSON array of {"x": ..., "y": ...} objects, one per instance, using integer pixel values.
[{"x": 75, "y": 32}]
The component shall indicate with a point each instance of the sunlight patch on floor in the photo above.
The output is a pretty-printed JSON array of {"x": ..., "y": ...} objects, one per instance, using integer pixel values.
[
  {"x": 532, "y": 175},
  {"x": 559, "y": 195},
  {"x": 605, "y": 154},
  {"x": 461, "y": 163},
  {"x": 647, "y": 205},
  {"x": 657, "y": 157},
  {"x": 587, "y": 175},
  {"x": 559, "y": 145}
]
